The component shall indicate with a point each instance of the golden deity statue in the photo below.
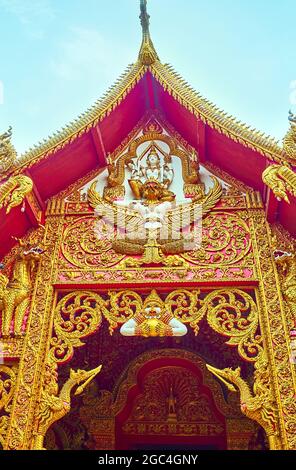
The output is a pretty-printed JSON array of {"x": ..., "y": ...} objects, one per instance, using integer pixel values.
[
  {"x": 152, "y": 172},
  {"x": 15, "y": 292}
]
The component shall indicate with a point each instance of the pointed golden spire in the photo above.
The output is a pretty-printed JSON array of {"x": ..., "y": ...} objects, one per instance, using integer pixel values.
[{"x": 148, "y": 54}]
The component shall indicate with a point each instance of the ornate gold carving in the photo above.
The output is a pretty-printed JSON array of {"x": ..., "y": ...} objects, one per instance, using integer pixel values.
[
  {"x": 152, "y": 192},
  {"x": 274, "y": 316},
  {"x": 154, "y": 317},
  {"x": 225, "y": 240},
  {"x": 7, "y": 383},
  {"x": 87, "y": 243},
  {"x": 129, "y": 378},
  {"x": 281, "y": 180},
  {"x": 54, "y": 405},
  {"x": 14, "y": 191},
  {"x": 225, "y": 252},
  {"x": 124, "y": 157},
  {"x": 7, "y": 389},
  {"x": 282, "y": 240},
  {"x": 114, "y": 194},
  {"x": 290, "y": 139},
  {"x": 76, "y": 317},
  {"x": 115, "y": 175},
  {"x": 15, "y": 293},
  {"x": 153, "y": 253},
  {"x": 287, "y": 266},
  {"x": 36, "y": 341},
  {"x": 34, "y": 206},
  {"x": 11, "y": 348},
  {"x": 239, "y": 429},
  {"x": 233, "y": 313},
  {"x": 275, "y": 329},
  {"x": 194, "y": 191},
  {"x": 230, "y": 312},
  {"x": 171, "y": 403},
  {"x": 258, "y": 405},
  {"x": 7, "y": 152},
  {"x": 152, "y": 126}
]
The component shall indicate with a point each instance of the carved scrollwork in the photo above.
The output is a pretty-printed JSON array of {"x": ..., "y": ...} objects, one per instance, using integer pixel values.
[
  {"x": 233, "y": 313},
  {"x": 87, "y": 243},
  {"x": 77, "y": 316},
  {"x": 7, "y": 387},
  {"x": 7, "y": 383},
  {"x": 225, "y": 241},
  {"x": 123, "y": 306},
  {"x": 229, "y": 312},
  {"x": 186, "y": 307}
]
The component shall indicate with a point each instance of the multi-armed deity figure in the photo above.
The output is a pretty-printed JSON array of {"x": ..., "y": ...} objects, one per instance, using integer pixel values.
[{"x": 153, "y": 222}]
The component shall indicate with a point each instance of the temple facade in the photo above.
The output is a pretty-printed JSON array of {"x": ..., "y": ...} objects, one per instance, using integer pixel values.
[{"x": 148, "y": 276}]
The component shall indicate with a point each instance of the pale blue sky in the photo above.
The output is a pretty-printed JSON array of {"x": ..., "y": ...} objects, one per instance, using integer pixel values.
[{"x": 58, "y": 56}]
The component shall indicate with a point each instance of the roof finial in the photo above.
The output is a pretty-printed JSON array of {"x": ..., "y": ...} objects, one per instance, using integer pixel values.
[
  {"x": 290, "y": 139},
  {"x": 148, "y": 54}
]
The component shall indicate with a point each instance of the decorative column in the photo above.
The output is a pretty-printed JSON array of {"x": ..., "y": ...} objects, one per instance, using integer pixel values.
[
  {"x": 275, "y": 330},
  {"x": 38, "y": 334}
]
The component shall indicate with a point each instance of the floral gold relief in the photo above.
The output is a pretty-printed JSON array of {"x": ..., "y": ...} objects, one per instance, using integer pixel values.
[
  {"x": 82, "y": 283},
  {"x": 152, "y": 286}
]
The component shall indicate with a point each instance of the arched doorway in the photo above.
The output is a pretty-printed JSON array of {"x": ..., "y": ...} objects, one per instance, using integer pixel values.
[
  {"x": 166, "y": 398},
  {"x": 170, "y": 408}
]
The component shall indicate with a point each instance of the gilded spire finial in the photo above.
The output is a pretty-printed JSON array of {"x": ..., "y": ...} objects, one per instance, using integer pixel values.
[{"x": 148, "y": 54}]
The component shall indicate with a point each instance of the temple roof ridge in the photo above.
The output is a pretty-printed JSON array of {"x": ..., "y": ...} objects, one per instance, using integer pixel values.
[
  {"x": 215, "y": 117},
  {"x": 176, "y": 86}
]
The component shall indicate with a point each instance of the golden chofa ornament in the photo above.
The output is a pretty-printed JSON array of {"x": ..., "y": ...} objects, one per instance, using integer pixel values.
[
  {"x": 289, "y": 142},
  {"x": 7, "y": 152}
]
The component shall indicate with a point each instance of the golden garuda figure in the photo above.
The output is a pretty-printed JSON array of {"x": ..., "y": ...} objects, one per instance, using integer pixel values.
[{"x": 155, "y": 218}]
